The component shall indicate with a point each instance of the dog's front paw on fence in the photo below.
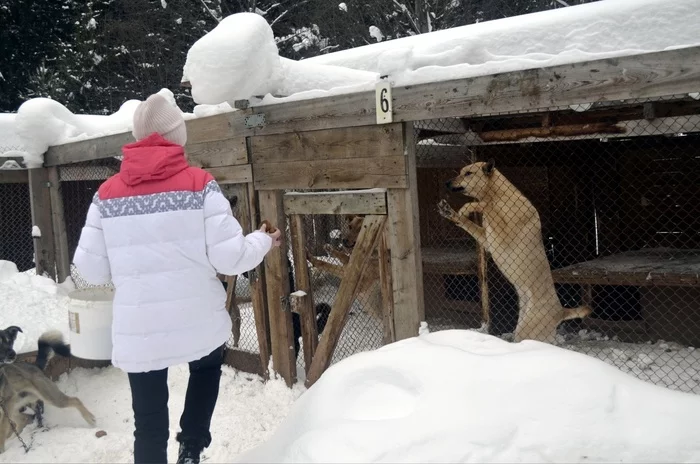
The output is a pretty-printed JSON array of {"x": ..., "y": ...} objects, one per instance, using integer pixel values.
[{"x": 445, "y": 210}]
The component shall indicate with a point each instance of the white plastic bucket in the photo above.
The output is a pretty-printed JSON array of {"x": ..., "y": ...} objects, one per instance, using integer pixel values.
[{"x": 90, "y": 323}]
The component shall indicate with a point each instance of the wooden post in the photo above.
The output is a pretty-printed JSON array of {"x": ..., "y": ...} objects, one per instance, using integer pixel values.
[
  {"x": 40, "y": 198},
  {"x": 387, "y": 292},
  {"x": 404, "y": 243},
  {"x": 247, "y": 212},
  {"x": 482, "y": 267},
  {"x": 302, "y": 281},
  {"x": 360, "y": 257},
  {"x": 277, "y": 284},
  {"x": 59, "y": 226}
]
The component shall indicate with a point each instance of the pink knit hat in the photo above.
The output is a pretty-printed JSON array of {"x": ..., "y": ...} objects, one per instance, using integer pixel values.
[{"x": 157, "y": 115}]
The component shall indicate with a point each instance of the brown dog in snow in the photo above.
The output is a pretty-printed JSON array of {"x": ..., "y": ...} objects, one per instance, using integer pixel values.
[{"x": 511, "y": 233}]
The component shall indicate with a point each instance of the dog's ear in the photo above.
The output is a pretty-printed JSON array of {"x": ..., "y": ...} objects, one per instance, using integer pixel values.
[
  {"x": 12, "y": 331},
  {"x": 489, "y": 167}
]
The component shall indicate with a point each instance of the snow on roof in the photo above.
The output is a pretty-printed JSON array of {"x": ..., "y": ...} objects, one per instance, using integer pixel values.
[
  {"x": 462, "y": 396},
  {"x": 604, "y": 29},
  {"x": 238, "y": 59},
  {"x": 42, "y": 122}
]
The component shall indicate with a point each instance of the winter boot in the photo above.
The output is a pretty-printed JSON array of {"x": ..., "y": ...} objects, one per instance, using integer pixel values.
[{"x": 189, "y": 453}]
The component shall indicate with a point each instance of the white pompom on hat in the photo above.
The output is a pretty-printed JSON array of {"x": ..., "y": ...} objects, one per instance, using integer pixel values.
[{"x": 156, "y": 114}]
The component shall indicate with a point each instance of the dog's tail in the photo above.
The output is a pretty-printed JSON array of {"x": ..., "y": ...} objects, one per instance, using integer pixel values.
[
  {"x": 323, "y": 310},
  {"x": 49, "y": 343},
  {"x": 575, "y": 313}
]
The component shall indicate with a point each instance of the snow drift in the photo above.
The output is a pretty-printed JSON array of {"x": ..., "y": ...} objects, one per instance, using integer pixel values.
[
  {"x": 462, "y": 396},
  {"x": 238, "y": 59}
]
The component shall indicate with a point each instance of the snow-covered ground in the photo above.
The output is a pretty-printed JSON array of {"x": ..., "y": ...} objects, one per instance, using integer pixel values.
[
  {"x": 462, "y": 396},
  {"x": 247, "y": 412},
  {"x": 499, "y": 395}
]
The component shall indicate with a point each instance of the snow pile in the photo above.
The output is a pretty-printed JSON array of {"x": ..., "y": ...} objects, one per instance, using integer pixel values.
[
  {"x": 235, "y": 60},
  {"x": 43, "y": 122},
  {"x": 238, "y": 59},
  {"x": 461, "y": 396},
  {"x": 592, "y": 31},
  {"x": 246, "y": 413},
  {"x": 34, "y": 303}
]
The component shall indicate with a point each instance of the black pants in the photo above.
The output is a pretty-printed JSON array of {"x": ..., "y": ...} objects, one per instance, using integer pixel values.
[{"x": 149, "y": 396}]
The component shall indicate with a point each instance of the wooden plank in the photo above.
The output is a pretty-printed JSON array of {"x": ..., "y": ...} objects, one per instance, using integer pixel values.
[
  {"x": 277, "y": 284},
  {"x": 370, "y": 201},
  {"x": 85, "y": 150},
  {"x": 302, "y": 282},
  {"x": 645, "y": 267},
  {"x": 432, "y": 155},
  {"x": 242, "y": 174},
  {"x": 59, "y": 226},
  {"x": 40, "y": 199},
  {"x": 360, "y": 257},
  {"x": 404, "y": 243},
  {"x": 247, "y": 216},
  {"x": 349, "y": 110},
  {"x": 14, "y": 176},
  {"x": 350, "y": 142},
  {"x": 218, "y": 153},
  {"x": 217, "y": 127},
  {"x": 389, "y": 333},
  {"x": 332, "y": 174},
  {"x": 243, "y": 361}
]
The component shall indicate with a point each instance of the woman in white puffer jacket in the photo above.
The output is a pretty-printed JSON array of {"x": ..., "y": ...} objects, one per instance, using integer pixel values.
[{"x": 160, "y": 230}]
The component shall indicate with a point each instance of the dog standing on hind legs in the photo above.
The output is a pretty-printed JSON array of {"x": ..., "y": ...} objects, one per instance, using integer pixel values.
[
  {"x": 24, "y": 385},
  {"x": 512, "y": 234}
]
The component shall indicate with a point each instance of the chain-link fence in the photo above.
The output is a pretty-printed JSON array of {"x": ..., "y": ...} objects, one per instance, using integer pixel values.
[
  {"x": 605, "y": 195},
  {"x": 16, "y": 243}
]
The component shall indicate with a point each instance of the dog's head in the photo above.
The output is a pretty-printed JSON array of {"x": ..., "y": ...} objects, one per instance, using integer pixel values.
[
  {"x": 473, "y": 179},
  {"x": 7, "y": 342},
  {"x": 354, "y": 223}
]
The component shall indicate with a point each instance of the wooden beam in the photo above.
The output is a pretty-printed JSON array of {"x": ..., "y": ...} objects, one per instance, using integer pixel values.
[
  {"x": 343, "y": 143},
  {"x": 351, "y": 173},
  {"x": 369, "y": 201},
  {"x": 646, "y": 75},
  {"x": 404, "y": 243},
  {"x": 219, "y": 153},
  {"x": 14, "y": 176},
  {"x": 277, "y": 283},
  {"x": 302, "y": 281},
  {"x": 360, "y": 257},
  {"x": 247, "y": 216},
  {"x": 40, "y": 199},
  {"x": 218, "y": 127},
  {"x": 241, "y": 174},
  {"x": 85, "y": 150},
  {"x": 59, "y": 226},
  {"x": 599, "y": 129},
  {"x": 389, "y": 332}
]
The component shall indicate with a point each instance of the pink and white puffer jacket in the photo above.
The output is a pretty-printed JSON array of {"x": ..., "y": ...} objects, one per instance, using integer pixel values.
[{"x": 160, "y": 230}]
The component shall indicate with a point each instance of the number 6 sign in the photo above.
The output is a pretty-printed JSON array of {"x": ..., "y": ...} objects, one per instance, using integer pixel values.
[{"x": 384, "y": 104}]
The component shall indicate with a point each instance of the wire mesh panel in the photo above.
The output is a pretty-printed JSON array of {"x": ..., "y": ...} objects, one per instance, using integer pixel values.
[
  {"x": 584, "y": 231},
  {"x": 16, "y": 244},
  {"x": 364, "y": 327}
]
